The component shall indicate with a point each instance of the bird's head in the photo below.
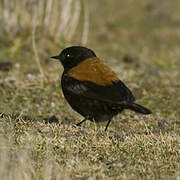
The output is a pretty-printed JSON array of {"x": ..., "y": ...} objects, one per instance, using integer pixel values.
[{"x": 71, "y": 56}]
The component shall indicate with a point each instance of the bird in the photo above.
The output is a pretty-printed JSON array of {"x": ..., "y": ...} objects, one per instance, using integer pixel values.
[{"x": 92, "y": 89}]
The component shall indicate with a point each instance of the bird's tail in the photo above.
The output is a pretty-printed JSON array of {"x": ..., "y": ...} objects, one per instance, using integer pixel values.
[{"x": 138, "y": 108}]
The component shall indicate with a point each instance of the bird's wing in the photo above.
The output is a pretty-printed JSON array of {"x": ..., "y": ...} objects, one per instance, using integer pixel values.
[
  {"x": 115, "y": 93},
  {"x": 93, "y": 79}
]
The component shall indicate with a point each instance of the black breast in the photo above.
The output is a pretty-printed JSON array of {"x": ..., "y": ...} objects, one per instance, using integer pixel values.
[{"x": 92, "y": 109}]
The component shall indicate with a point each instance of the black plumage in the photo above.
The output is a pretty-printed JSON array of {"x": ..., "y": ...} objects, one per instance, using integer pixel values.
[{"x": 92, "y": 88}]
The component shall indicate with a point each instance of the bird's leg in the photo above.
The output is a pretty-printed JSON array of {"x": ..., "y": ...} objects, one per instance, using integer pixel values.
[
  {"x": 107, "y": 124},
  {"x": 78, "y": 124}
]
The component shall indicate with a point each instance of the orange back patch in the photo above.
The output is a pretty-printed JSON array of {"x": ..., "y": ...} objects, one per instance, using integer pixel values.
[{"x": 92, "y": 69}]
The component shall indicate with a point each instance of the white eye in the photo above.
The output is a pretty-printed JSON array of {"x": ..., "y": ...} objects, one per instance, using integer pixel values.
[{"x": 68, "y": 55}]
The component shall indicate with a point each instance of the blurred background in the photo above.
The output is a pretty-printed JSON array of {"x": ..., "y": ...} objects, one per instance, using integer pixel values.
[
  {"x": 123, "y": 24},
  {"x": 144, "y": 29}
]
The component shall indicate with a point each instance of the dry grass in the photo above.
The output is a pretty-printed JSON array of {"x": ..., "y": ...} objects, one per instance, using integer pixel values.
[
  {"x": 57, "y": 19},
  {"x": 39, "y": 151},
  {"x": 140, "y": 41}
]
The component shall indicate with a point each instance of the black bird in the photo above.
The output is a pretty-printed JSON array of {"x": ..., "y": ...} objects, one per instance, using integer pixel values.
[{"x": 92, "y": 88}]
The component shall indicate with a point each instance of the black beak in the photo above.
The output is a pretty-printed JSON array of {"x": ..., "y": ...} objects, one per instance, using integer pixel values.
[{"x": 55, "y": 57}]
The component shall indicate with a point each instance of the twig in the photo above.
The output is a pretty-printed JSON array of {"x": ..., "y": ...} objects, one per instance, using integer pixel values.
[
  {"x": 65, "y": 15},
  {"x": 35, "y": 48},
  {"x": 74, "y": 20},
  {"x": 86, "y": 24}
]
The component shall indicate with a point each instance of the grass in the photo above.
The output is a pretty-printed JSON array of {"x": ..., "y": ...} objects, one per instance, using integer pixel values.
[{"x": 140, "y": 41}]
